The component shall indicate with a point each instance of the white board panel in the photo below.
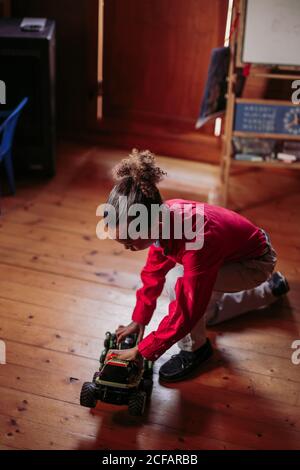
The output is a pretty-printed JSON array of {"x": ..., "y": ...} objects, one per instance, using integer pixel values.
[{"x": 272, "y": 32}]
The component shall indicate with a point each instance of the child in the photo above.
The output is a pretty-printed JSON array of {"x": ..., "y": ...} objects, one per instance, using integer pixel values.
[{"x": 230, "y": 274}]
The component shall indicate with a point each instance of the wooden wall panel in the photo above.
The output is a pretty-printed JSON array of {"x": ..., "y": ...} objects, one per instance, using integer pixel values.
[
  {"x": 4, "y": 8},
  {"x": 156, "y": 56}
]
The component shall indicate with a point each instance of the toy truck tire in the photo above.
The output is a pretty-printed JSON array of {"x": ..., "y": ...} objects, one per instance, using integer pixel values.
[
  {"x": 148, "y": 369},
  {"x": 103, "y": 356},
  {"x": 96, "y": 374},
  {"x": 87, "y": 395},
  {"x": 147, "y": 387},
  {"x": 107, "y": 340},
  {"x": 137, "y": 403},
  {"x": 113, "y": 341}
]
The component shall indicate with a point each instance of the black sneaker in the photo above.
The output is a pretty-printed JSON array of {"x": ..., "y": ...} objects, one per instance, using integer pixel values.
[
  {"x": 278, "y": 284},
  {"x": 184, "y": 363}
]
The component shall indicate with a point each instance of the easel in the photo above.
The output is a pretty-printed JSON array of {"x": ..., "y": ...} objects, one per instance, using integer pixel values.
[{"x": 235, "y": 44}]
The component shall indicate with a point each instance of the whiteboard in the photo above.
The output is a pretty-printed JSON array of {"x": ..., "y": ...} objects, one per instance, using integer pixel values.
[{"x": 272, "y": 32}]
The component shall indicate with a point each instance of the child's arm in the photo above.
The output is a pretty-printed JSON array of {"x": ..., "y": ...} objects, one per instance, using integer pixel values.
[
  {"x": 193, "y": 292},
  {"x": 153, "y": 276}
]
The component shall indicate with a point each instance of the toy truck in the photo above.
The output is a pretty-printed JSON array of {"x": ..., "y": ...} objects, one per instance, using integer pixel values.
[{"x": 118, "y": 381}]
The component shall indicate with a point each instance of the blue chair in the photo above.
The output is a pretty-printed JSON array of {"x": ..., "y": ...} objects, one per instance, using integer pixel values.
[{"x": 7, "y": 130}]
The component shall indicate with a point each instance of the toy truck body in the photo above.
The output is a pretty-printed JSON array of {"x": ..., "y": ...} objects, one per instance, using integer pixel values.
[{"x": 118, "y": 381}]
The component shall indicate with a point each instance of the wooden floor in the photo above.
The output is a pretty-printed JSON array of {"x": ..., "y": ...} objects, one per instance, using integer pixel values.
[{"x": 61, "y": 289}]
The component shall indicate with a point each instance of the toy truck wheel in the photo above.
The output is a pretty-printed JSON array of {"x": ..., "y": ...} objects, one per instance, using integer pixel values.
[
  {"x": 113, "y": 341},
  {"x": 137, "y": 402},
  {"x": 103, "y": 356},
  {"x": 148, "y": 369},
  {"x": 87, "y": 395},
  {"x": 107, "y": 340},
  {"x": 147, "y": 387},
  {"x": 96, "y": 374}
]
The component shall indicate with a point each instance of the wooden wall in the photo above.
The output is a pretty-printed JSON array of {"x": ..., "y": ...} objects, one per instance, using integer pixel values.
[
  {"x": 4, "y": 8},
  {"x": 156, "y": 55}
]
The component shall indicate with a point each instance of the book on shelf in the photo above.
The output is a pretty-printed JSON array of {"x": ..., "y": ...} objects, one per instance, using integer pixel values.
[
  {"x": 286, "y": 157},
  {"x": 248, "y": 157}
]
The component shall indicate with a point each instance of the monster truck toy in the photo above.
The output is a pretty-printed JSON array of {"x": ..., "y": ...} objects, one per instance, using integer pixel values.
[{"x": 118, "y": 381}]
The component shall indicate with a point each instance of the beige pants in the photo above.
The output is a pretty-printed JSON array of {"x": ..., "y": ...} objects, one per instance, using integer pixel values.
[{"x": 239, "y": 287}]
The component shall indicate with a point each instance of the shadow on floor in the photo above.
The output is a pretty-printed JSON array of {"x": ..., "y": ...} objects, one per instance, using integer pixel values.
[{"x": 221, "y": 408}]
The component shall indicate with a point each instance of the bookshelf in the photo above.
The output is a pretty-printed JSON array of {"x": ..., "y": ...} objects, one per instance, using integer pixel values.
[{"x": 290, "y": 73}]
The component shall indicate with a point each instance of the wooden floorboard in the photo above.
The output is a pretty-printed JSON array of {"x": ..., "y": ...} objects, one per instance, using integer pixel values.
[{"x": 61, "y": 289}]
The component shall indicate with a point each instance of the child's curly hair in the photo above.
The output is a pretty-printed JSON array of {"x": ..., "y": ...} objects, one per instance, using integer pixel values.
[
  {"x": 136, "y": 177},
  {"x": 141, "y": 169}
]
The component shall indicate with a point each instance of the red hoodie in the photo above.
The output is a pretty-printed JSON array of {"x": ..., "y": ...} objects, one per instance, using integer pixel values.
[{"x": 228, "y": 236}]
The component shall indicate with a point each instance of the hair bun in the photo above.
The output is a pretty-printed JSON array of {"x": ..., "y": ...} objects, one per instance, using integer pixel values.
[{"x": 141, "y": 167}]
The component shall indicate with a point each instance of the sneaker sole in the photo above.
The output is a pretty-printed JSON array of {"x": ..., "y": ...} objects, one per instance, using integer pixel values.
[
  {"x": 286, "y": 284},
  {"x": 285, "y": 281}
]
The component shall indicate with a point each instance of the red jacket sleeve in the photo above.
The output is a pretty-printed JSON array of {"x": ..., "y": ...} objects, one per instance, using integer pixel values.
[
  {"x": 193, "y": 292},
  {"x": 153, "y": 277}
]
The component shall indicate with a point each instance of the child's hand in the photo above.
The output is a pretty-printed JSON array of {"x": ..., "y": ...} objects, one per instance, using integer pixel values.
[
  {"x": 130, "y": 329},
  {"x": 131, "y": 354}
]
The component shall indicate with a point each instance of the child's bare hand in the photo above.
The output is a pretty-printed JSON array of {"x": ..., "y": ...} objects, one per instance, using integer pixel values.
[
  {"x": 133, "y": 327},
  {"x": 131, "y": 354}
]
